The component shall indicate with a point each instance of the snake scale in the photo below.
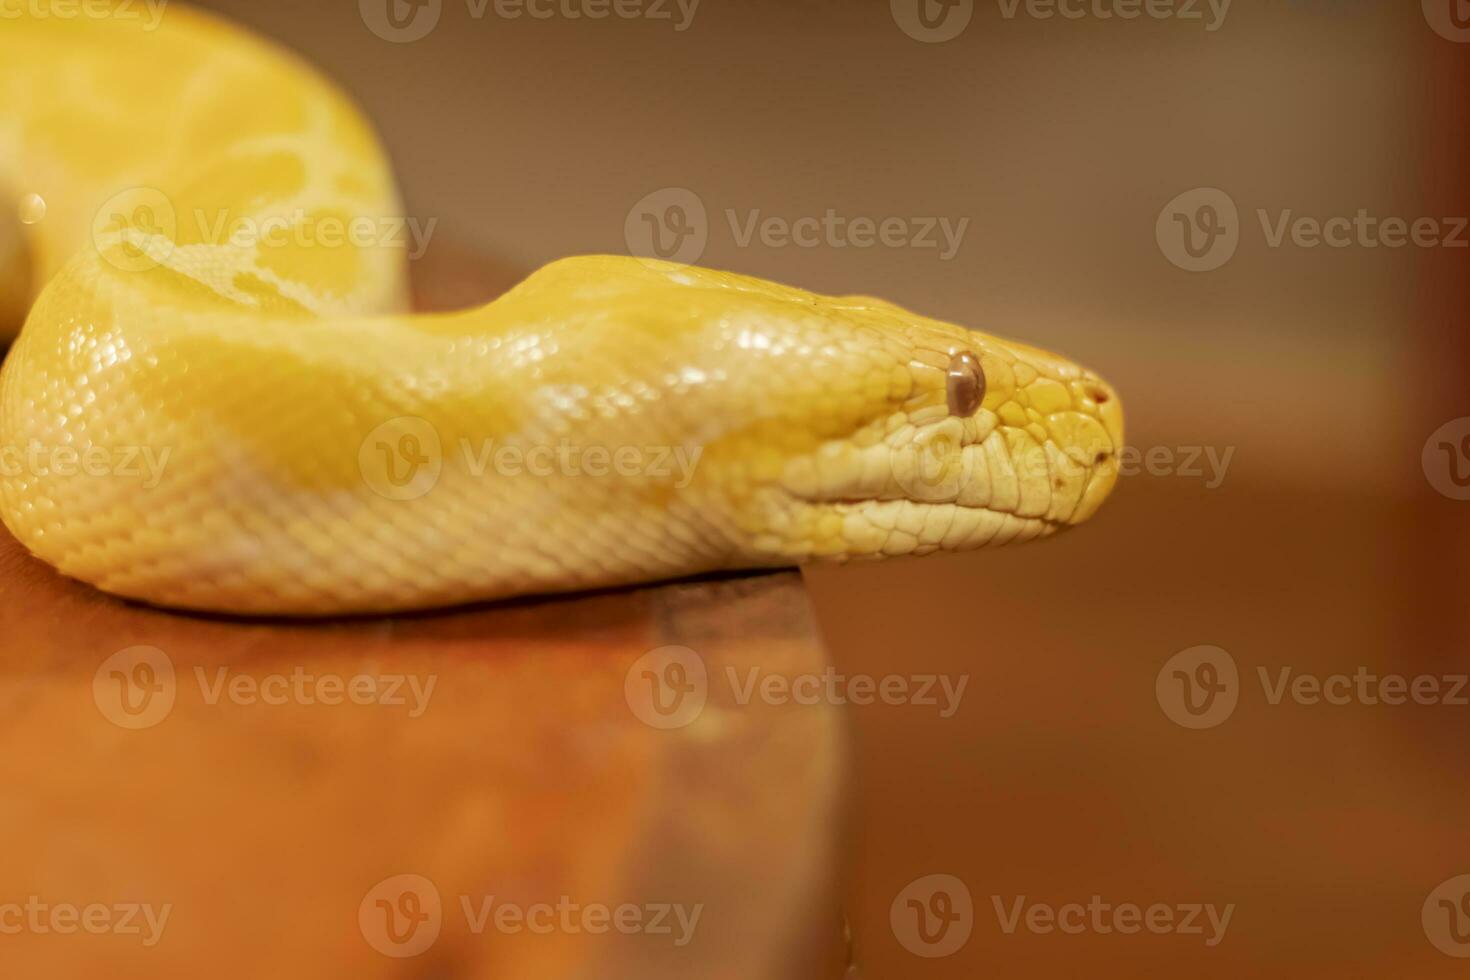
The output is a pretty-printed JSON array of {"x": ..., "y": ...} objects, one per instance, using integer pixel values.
[{"x": 218, "y": 400}]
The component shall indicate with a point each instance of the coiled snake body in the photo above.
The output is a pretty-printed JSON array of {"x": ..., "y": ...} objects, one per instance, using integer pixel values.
[{"x": 219, "y": 402}]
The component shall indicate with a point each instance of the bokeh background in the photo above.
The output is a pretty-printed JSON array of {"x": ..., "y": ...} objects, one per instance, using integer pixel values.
[{"x": 1324, "y": 547}]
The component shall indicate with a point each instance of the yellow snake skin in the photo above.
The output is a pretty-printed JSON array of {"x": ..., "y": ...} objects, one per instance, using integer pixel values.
[{"x": 219, "y": 402}]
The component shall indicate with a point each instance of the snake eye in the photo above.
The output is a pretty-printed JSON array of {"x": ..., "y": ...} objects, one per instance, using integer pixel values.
[{"x": 965, "y": 384}]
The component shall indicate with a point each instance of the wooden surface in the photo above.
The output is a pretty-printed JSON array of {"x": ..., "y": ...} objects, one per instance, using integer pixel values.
[{"x": 534, "y": 770}]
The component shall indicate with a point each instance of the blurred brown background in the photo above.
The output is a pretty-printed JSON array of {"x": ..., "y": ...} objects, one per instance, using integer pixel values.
[{"x": 1323, "y": 547}]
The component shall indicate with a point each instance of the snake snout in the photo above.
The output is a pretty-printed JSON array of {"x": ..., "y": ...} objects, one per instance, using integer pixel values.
[{"x": 1097, "y": 400}]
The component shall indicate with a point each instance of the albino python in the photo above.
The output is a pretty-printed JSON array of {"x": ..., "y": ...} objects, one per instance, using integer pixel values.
[{"x": 217, "y": 399}]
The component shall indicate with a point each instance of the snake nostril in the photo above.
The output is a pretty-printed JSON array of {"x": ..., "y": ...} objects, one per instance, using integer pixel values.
[{"x": 1099, "y": 396}]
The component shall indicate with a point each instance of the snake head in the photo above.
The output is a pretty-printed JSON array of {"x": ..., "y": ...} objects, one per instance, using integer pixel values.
[
  {"x": 854, "y": 428},
  {"x": 978, "y": 441}
]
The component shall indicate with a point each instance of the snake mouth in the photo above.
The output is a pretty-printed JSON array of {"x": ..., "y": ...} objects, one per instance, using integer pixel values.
[
  {"x": 891, "y": 507},
  {"x": 977, "y": 464},
  {"x": 871, "y": 529}
]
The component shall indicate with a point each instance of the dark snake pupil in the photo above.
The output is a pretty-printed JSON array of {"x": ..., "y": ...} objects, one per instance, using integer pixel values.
[{"x": 965, "y": 384}]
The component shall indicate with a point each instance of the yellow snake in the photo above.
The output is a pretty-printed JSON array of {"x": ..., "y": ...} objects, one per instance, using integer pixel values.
[{"x": 218, "y": 400}]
